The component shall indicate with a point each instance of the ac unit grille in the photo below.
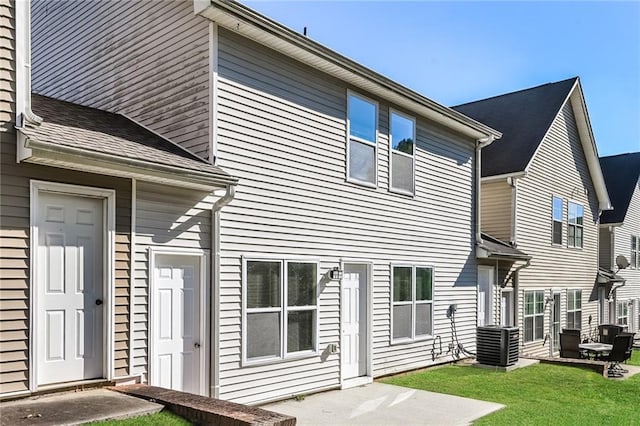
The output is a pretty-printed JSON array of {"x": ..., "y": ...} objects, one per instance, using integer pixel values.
[{"x": 497, "y": 345}]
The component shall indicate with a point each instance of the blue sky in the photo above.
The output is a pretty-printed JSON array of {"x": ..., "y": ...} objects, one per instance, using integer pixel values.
[{"x": 455, "y": 52}]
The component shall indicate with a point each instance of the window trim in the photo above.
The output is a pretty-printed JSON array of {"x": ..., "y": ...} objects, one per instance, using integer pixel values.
[
  {"x": 392, "y": 151},
  {"x": 349, "y": 138},
  {"x": 553, "y": 220},
  {"x": 575, "y": 291},
  {"x": 413, "y": 303},
  {"x": 633, "y": 258},
  {"x": 283, "y": 310},
  {"x": 525, "y": 316},
  {"x": 569, "y": 225}
]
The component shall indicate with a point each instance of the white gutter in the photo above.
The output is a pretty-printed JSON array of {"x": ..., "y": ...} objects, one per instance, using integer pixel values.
[
  {"x": 480, "y": 143},
  {"x": 214, "y": 390}
]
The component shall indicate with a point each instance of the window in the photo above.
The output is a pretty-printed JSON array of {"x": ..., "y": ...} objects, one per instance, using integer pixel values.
[
  {"x": 574, "y": 309},
  {"x": 635, "y": 262},
  {"x": 533, "y": 315},
  {"x": 623, "y": 313},
  {"x": 412, "y": 306},
  {"x": 557, "y": 220},
  {"x": 363, "y": 130},
  {"x": 402, "y": 141},
  {"x": 576, "y": 218},
  {"x": 281, "y": 304}
]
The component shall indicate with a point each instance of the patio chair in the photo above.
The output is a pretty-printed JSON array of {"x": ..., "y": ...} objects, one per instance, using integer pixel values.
[
  {"x": 575, "y": 331},
  {"x": 608, "y": 332},
  {"x": 569, "y": 346},
  {"x": 618, "y": 354}
]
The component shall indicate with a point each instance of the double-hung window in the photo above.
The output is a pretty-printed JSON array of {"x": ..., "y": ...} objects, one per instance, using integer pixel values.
[
  {"x": 362, "y": 140},
  {"x": 533, "y": 315},
  {"x": 412, "y": 305},
  {"x": 622, "y": 313},
  {"x": 576, "y": 219},
  {"x": 635, "y": 262},
  {"x": 557, "y": 220},
  {"x": 574, "y": 309},
  {"x": 402, "y": 142},
  {"x": 281, "y": 308}
]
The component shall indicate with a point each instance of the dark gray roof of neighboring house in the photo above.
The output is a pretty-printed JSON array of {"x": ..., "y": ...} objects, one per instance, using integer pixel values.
[
  {"x": 499, "y": 248},
  {"x": 523, "y": 117},
  {"x": 621, "y": 173},
  {"x": 92, "y": 130}
]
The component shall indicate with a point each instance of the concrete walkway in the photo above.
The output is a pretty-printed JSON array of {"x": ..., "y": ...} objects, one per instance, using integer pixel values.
[
  {"x": 382, "y": 404},
  {"x": 72, "y": 408}
]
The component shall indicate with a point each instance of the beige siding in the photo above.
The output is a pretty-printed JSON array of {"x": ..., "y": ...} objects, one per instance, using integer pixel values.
[
  {"x": 113, "y": 55},
  {"x": 165, "y": 217},
  {"x": 558, "y": 169},
  {"x": 282, "y": 131},
  {"x": 7, "y": 65},
  {"x": 496, "y": 208}
]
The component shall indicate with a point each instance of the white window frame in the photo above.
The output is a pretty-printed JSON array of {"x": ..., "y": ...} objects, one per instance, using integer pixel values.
[
  {"x": 575, "y": 225},
  {"x": 534, "y": 315},
  {"x": 573, "y": 309},
  {"x": 350, "y": 138},
  {"x": 622, "y": 305},
  {"x": 413, "y": 302},
  {"x": 553, "y": 220},
  {"x": 634, "y": 263},
  {"x": 283, "y": 309},
  {"x": 395, "y": 151}
]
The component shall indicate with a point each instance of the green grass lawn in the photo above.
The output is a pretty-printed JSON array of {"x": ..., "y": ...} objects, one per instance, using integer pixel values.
[
  {"x": 542, "y": 394},
  {"x": 164, "y": 418},
  {"x": 635, "y": 357}
]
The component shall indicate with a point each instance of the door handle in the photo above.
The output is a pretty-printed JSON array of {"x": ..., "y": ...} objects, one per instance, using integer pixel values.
[
  {"x": 98, "y": 302},
  {"x": 196, "y": 344}
]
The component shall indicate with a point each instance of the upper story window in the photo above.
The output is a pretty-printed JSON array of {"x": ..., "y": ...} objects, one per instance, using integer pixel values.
[
  {"x": 402, "y": 141},
  {"x": 635, "y": 262},
  {"x": 412, "y": 305},
  {"x": 557, "y": 220},
  {"x": 280, "y": 309},
  {"x": 363, "y": 130},
  {"x": 575, "y": 228},
  {"x": 574, "y": 309},
  {"x": 533, "y": 315}
]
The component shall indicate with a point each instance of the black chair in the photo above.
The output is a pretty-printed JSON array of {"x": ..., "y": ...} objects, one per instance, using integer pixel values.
[
  {"x": 608, "y": 332},
  {"x": 574, "y": 331},
  {"x": 618, "y": 354},
  {"x": 569, "y": 346}
]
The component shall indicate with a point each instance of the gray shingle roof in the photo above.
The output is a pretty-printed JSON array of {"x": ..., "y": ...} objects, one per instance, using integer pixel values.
[
  {"x": 92, "y": 130},
  {"x": 523, "y": 117},
  {"x": 621, "y": 173}
]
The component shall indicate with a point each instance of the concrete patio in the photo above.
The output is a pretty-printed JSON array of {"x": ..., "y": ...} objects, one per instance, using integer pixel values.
[{"x": 382, "y": 404}]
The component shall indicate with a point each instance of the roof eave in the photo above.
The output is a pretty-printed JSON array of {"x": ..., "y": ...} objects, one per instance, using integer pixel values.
[{"x": 247, "y": 22}]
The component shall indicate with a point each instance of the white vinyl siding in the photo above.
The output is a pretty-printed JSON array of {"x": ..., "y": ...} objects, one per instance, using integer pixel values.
[
  {"x": 362, "y": 150},
  {"x": 575, "y": 231},
  {"x": 533, "y": 315},
  {"x": 496, "y": 206},
  {"x": 574, "y": 309},
  {"x": 622, "y": 245},
  {"x": 558, "y": 210},
  {"x": 402, "y": 136}
]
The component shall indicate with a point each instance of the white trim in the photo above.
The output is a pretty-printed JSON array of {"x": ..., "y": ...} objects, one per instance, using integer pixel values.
[
  {"x": 503, "y": 176},
  {"x": 413, "y": 338},
  {"x": 109, "y": 225},
  {"x": 373, "y": 144},
  {"x": 203, "y": 259},
  {"x": 534, "y": 315},
  {"x": 393, "y": 111},
  {"x": 213, "y": 92},
  {"x": 132, "y": 270},
  {"x": 363, "y": 380}
]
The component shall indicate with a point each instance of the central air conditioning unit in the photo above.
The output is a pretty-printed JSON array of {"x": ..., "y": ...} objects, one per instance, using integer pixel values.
[{"x": 497, "y": 345}]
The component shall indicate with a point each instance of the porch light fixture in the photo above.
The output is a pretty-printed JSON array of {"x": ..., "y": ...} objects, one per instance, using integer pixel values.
[{"x": 336, "y": 273}]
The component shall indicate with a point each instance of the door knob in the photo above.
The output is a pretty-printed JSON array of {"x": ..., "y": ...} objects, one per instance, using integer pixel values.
[
  {"x": 98, "y": 302},
  {"x": 196, "y": 344}
]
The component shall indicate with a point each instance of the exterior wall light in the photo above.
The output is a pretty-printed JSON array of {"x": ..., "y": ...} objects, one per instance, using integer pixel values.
[{"x": 336, "y": 273}]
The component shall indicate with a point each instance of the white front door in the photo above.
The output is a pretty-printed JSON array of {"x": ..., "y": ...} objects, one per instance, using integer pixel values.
[
  {"x": 70, "y": 288},
  {"x": 354, "y": 321},
  {"x": 176, "y": 323},
  {"x": 485, "y": 295}
]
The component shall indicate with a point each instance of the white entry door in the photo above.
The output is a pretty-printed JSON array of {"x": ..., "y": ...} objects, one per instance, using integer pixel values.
[
  {"x": 70, "y": 290},
  {"x": 485, "y": 295},
  {"x": 354, "y": 321},
  {"x": 176, "y": 323}
]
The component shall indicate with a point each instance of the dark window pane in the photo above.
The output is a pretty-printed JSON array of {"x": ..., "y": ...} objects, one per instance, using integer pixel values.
[
  {"x": 300, "y": 331},
  {"x": 263, "y": 284},
  {"x": 557, "y": 232},
  {"x": 578, "y": 237},
  {"x": 402, "y": 173},
  {"x": 571, "y": 301},
  {"x": 263, "y": 334},
  {"x": 301, "y": 284},
  {"x": 528, "y": 329},
  {"x": 528, "y": 303},
  {"x": 402, "y": 284},
  {"x": 362, "y": 119},
  {"x": 424, "y": 284},
  {"x": 539, "y": 302},
  {"x": 539, "y": 330},
  {"x": 402, "y": 321},
  {"x": 578, "y": 299},
  {"x": 402, "y": 130},
  {"x": 362, "y": 162},
  {"x": 423, "y": 319}
]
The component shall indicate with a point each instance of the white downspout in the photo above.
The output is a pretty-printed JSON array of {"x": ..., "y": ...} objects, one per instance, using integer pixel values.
[
  {"x": 480, "y": 143},
  {"x": 214, "y": 385},
  {"x": 513, "y": 182}
]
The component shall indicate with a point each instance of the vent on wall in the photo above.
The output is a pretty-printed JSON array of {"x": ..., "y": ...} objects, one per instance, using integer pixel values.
[{"x": 497, "y": 345}]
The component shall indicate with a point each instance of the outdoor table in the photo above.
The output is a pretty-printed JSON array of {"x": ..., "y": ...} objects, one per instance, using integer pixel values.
[{"x": 597, "y": 349}]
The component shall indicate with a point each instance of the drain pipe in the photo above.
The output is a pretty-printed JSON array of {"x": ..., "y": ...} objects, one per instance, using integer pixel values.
[
  {"x": 214, "y": 388},
  {"x": 480, "y": 143}
]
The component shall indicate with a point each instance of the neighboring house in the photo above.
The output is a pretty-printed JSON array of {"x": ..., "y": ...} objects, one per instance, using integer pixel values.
[
  {"x": 542, "y": 192},
  {"x": 90, "y": 202},
  {"x": 620, "y": 236},
  {"x": 349, "y": 248}
]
